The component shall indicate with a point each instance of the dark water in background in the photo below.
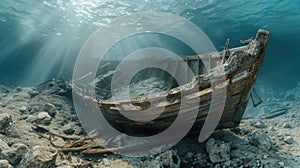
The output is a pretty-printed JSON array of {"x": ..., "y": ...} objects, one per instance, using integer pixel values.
[{"x": 41, "y": 39}]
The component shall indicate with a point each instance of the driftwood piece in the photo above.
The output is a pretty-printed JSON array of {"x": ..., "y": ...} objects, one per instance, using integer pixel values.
[
  {"x": 43, "y": 128},
  {"x": 275, "y": 113}
]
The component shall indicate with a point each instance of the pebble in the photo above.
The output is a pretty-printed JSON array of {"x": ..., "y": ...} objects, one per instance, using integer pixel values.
[
  {"x": 106, "y": 162},
  {"x": 265, "y": 157},
  {"x": 39, "y": 156},
  {"x": 51, "y": 109},
  {"x": 258, "y": 124},
  {"x": 3, "y": 146},
  {"x": 217, "y": 151},
  {"x": 5, "y": 164},
  {"x": 286, "y": 125},
  {"x": 5, "y": 120},
  {"x": 288, "y": 140},
  {"x": 272, "y": 129},
  {"x": 169, "y": 158},
  {"x": 23, "y": 109},
  {"x": 68, "y": 129},
  {"x": 189, "y": 155},
  {"x": 43, "y": 118},
  {"x": 33, "y": 93},
  {"x": 261, "y": 140},
  {"x": 281, "y": 164}
]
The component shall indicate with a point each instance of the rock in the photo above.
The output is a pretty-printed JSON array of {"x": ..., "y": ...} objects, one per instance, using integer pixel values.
[
  {"x": 189, "y": 155},
  {"x": 58, "y": 141},
  {"x": 39, "y": 157},
  {"x": 23, "y": 109},
  {"x": 33, "y": 93},
  {"x": 10, "y": 155},
  {"x": 51, "y": 109},
  {"x": 168, "y": 159},
  {"x": 281, "y": 164},
  {"x": 261, "y": 140},
  {"x": 19, "y": 89},
  {"x": 286, "y": 125},
  {"x": 258, "y": 124},
  {"x": 288, "y": 140},
  {"x": 106, "y": 162},
  {"x": 5, "y": 120},
  {"x": 272, "y": 129},
  {"x": 5, "y": 164},
  {"x": 68, "y": 129},
  {"x": 13, "y": 154},
  {"x": 3, "y": 146},
  {"x": 217, "y": 151},
  {"x": 43, "y": 118},
  {"x": 20, "y": 149},
  {"x": 1, "y": 104}
]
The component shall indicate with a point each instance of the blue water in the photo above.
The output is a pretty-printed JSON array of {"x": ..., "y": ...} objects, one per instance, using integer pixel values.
[{"x": 41, "y": 39}]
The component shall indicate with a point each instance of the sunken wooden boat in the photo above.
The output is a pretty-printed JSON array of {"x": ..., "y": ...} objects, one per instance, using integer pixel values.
[{"x": 241, "y": 66}]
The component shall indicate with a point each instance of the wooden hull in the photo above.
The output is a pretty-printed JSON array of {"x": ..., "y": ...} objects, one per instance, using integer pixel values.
[{"x": 241, "y": 69}]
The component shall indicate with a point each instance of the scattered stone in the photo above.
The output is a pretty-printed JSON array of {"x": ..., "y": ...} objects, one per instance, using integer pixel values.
[
  {"x": 19, "y": 89},
  {"x": 189, "y": 155},
  {"x": 106, "y": 162},
  {"x": 33, "y": 93},
  {"x": 5, "y": 120},
  {"x": 261, "y": 140},
  {"x": 3, "y": 146},
  {"x": 288, "y": 140},
  {"x": 169, "y": 159},
  {"x": 39, "y": 157},
  {"x": 272, "y": 129},
  {"x": 5, "y": 164},
  {"x": 217, "y": 151},
  {"x": 43, "y": 118},
  {"x": 68, "y": 129},
  {"x": 20, "y": 149},
  {"x": 1, "y": 104},
  {"x": 10, "y": 155},
  {"x": 23, "y": 109},
  {"x": 286, "y": 125},
  {"x": 258, "y": 124},
  {"x": 58, "y": 141},
  {"x": 281, "y": 164},
  {"x": 51, "y": 109}
]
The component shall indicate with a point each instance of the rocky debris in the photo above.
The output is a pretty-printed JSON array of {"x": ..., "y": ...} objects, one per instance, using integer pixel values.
[
  {"x": 167, "y": 159},
  {"x": 39, "y": 157},
  {"x": 286, "y": 125},
  {"x": 5, "y": 164},
  {"x": 281, "y": 164},
  {"x": 218, "y": 151},
  {"x": 247, "y": 148},
  {"x": 258, "y": 124},
  {"x": 23, "y": 109},
  {"x": 13, "y": 154},
  {"x": 58, "y": 141},
  {"x": 261, "y": 140},
  {"x": 68, "y": 129},
  {"x": 43, "y": 118},
  {"x": 20, "y": 149},
  {"x": 5, "y": 120},
  {"x": 51, "y": 109},
  {"x": 33, "y": 93},
  {"x": 288, "y": 140},
  {"x": 3, "y": 145},
  {"x": 105, "y": 162}
]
